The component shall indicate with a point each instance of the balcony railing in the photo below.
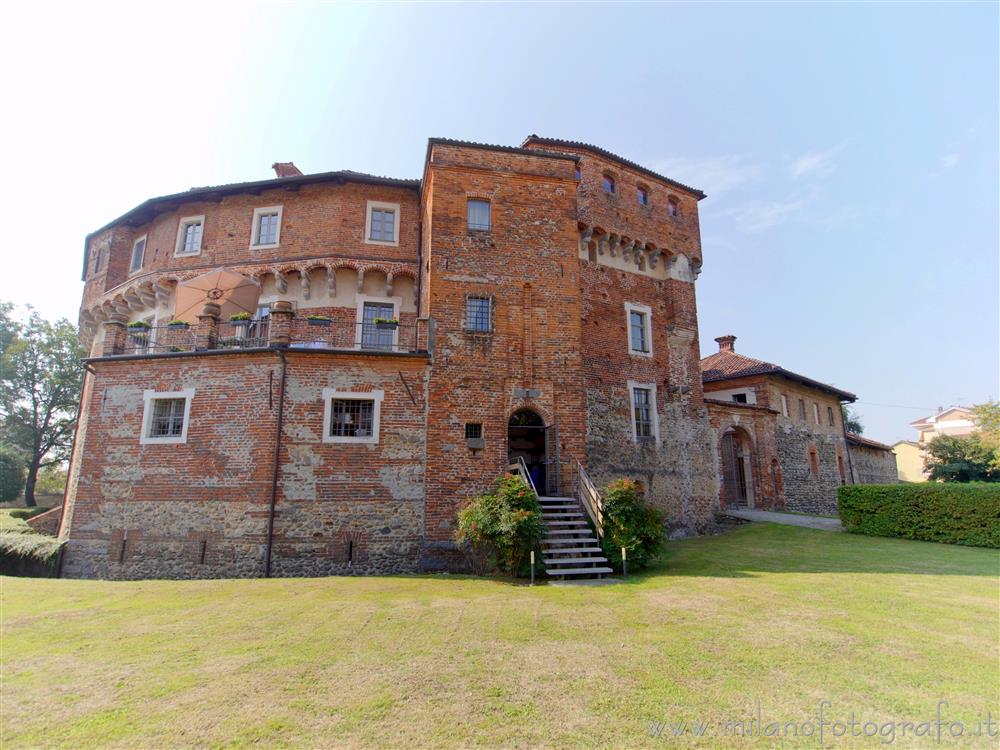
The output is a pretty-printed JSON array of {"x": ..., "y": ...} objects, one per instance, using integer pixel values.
[
  {"x": 404, "y": 337},
  {"x": 407, "y": 337}
]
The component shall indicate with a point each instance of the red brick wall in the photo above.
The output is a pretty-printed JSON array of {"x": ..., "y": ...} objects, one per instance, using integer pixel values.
[
  {"x": 200, "y": 509},
  {"x": 758, "y": 424},
  {"x": 528, "y": 265}
]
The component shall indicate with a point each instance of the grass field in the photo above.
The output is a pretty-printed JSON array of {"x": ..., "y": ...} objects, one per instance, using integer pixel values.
[{"x": 789, "y": 617}]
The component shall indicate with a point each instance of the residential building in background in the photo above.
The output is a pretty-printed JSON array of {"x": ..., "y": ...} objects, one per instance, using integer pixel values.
[
  {"x": 910, "y": 458},
  {"x": 956, "y": 421}
]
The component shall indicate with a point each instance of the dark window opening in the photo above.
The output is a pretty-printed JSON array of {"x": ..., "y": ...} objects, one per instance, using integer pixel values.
[
  {"x": 673, "y": 207},
  {"x": 351, "y": 417},
  {"x": 609, "y": 184},
  {"x": 740, "y": 398},
  {"x": 473, "y": 431},
  {"x": 643, "y": 413},
  {"x": 643, "y": 196},
  {"x": 477, "y": 314}
]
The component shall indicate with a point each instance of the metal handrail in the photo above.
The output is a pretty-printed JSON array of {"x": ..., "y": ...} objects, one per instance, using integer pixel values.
[
  {"x": 521, "y": 468},
  {"x": 591, "y": 499}
]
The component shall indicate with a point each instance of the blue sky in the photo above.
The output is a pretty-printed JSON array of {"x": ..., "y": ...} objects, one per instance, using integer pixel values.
[{"x": 850, "y": 151}]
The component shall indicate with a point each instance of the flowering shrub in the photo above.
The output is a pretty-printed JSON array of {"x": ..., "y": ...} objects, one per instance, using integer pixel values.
[
  {"x": 502, "y": 526},
  {"x": 630, "y": 523}
]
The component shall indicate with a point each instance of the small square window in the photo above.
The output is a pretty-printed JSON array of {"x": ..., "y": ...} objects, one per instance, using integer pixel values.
[
  {"x": 740, "y": 398},
  {"x": 473, "y": 431},
  {"x": 643, "y": 196},
  {"x": 165, "y": 417},
  {"x": 351, "y": 417},
  {"x": 609, "y": 184},
  {"x": 138, "y": 251},
  {"x": 383, "y": 225},
  {"x": 479, "y": 215},
  {"x": 478, "y": 315}
]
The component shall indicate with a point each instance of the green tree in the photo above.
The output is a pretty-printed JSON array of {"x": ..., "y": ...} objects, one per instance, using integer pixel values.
[
  {"x": 987, "y": 418},
  {"x": 962, "y": 459},
  {"x": 11, "y": 473},
  {"x": 852, "y": 420},
  {"x": 40, "y": 380}
]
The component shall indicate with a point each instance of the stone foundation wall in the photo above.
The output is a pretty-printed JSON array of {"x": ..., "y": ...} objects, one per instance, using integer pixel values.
[
  {"x": 806, "y": 491},
  {"x": 873, "y": 466}
]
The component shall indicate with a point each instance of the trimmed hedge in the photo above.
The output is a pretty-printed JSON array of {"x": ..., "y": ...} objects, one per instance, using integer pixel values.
[
  {"x": 28, "y": 554},
  {"x": 949, "y": 513}
]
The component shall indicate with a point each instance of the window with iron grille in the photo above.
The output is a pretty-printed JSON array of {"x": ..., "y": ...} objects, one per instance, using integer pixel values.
[
  {"x": 267, "y": 229},
  {"x": 642, "y": 413},
  {"x": 479, "y": 215},
  {"x": 478, "y": 314},
  {"x": 473, "y": 430},
  {"x": 138, "y": 250},
  {"x": 383, "y": 225},
  {"x": 168, "y": 418},
  {"x": 352, "y": 418}
]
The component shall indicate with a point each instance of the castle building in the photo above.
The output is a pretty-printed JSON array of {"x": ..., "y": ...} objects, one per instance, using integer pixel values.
[{"x": 310, "y": 374}]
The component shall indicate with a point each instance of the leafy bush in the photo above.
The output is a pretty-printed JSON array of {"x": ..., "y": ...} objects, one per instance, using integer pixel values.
[
  {"x": 630, "y": 523},
  {"x": 12, "y": 470},
  {"x": 241, "y": 316},
  {"x": 949, "y": 513},
  {"x": 140, "y": 325},
  {"x": 503, "y": 525}
]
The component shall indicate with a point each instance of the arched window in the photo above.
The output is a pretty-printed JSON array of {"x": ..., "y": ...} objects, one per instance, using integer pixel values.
[
  {"x": 643, "y": 195},
  {"x": 576, "y": 171},
  {"x": 673, "y": 207},
  {"x": 609, "y": 184}
]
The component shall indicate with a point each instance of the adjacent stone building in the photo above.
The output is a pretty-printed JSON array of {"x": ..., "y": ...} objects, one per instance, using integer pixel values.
[
  {"x": 310, "y": 374},
  {"x": 782, "y": 441}
]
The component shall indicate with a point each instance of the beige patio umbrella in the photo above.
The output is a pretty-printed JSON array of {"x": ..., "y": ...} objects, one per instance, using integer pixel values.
[{"x": 231, "y": 291}]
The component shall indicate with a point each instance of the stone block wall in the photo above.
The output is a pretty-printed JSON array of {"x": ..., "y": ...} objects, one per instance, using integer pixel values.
[{"x": 873, "y": 465}]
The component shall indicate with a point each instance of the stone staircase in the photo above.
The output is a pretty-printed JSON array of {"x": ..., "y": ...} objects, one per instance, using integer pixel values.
[{"x": 569, "y": 548}]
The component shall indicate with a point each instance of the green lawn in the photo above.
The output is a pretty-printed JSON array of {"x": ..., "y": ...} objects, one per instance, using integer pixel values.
[{"x": 789, "y": 617}]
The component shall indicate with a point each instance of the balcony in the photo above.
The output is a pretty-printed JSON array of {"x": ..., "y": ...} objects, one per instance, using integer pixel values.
[{"x": 298, "y": 333}]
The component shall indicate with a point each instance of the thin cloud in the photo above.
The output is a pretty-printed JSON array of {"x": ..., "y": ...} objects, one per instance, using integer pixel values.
[
  {"x": 814, "y": 164},
  {"x": 716, "y": 175},
  {"x": 759, "y": 216},
  {"x": 950, "y": 161}
]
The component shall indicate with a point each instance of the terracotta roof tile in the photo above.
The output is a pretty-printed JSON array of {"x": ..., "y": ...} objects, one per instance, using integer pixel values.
[{"x": 729, "y": 365}]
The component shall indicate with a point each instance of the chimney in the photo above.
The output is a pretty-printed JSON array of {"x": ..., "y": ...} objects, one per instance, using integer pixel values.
[
  {"x": 286, "y": 169},
  {"x": 940, "y": 409},
  {"x": 726, "y": 343}
]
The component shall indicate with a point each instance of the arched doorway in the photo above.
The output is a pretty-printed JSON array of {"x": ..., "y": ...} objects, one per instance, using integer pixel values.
[
  {"x": 526, "y": 439},
  {"x": 737, "y": 469}
]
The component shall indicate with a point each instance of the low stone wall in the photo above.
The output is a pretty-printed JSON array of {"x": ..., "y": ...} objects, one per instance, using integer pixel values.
[
  {"x": 873, "y": 465},
  {"x": 807, "y": 491}
]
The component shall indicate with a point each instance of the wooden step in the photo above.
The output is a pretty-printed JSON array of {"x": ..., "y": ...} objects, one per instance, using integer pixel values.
[
  {"x": 564, "y": 514},
  {"x": 579, "y": 522},
  {"x": 578, "y": 571},
  {"x": 571, "y": 550},
  {"x": 553, "y": 498},
  {"x": 563, "y": 539},
  {"x": 572, "y": 561},
  {"x": 562, "y": 532}
]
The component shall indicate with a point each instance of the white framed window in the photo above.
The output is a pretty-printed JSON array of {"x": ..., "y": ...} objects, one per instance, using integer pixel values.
[
  {"x": 639, "y": 319},
  {"x": 138, "y": 253},
  {"x": 351, "y": 416},
  {"x": 189, "y": 232},
  {"x": 266, "y": 230},
  {"x": 478, "y": 214},
  {"x": 784, "y": 405},
  {"x": 478, "y": 314},
  {"x": 371, "y": 335},
  {"x": 645, "y": 422},
  {"x": 165, "y": 417},
  {"x": 382, "y": 223}
]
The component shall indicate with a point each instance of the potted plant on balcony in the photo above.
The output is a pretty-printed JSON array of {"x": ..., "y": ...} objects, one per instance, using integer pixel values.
[
  {"x": 138, "y": 331},
  {"x": 386, "y": 324},
  {"x": 243, "y": 319},
  {"x": 177, "y": 325},
  {"x": 318, "y": 320}
]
